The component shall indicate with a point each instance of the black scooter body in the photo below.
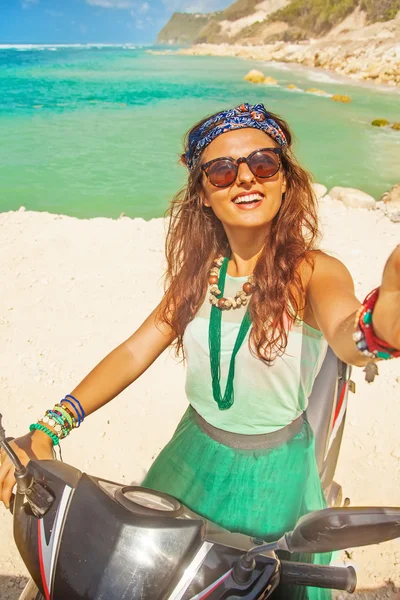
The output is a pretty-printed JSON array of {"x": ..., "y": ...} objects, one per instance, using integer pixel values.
[{"x": 98, "y": 544}]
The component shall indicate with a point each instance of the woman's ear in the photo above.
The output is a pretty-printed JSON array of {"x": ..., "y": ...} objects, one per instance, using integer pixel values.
[
  {"x": 204, "y": 200},
  {"x": 284, "y": 185},
  {"x": 203, "y": 196}
]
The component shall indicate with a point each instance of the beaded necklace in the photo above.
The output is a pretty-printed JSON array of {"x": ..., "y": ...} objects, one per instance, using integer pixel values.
[{"x": 214, "y": 341}]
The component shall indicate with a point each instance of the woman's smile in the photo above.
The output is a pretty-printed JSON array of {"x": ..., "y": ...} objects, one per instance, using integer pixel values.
[{"x": 248, "y": 200}]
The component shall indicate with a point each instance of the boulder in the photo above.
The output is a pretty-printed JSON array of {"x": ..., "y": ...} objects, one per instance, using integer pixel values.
[
  {"x": 392, "y": 197},
  {"x": 396, "y": 126},
  {"x": 255, "y": 76},
  {"x": 270, "y": 81},
  {"x": 319, "y": 190},
  {"x": 379, "y": 122},
  {"x": 339, "y": 98},
  {"x": 291, "y": 86},
  {"x": 352, "y": 197},
  {"x": 317, "y": 91}
]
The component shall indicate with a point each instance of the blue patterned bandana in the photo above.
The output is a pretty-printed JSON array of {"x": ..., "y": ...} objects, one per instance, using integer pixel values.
[{"x": 245, "y": 115}]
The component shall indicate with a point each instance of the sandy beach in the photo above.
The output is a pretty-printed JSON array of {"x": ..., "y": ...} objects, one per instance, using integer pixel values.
[{"x": 73, "y": 289}]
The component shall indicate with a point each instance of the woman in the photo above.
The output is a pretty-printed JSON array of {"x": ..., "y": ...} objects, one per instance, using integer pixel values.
[{"x": 245, "y": 226}]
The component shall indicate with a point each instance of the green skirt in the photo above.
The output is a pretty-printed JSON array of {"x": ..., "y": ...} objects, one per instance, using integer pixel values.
[{"x": 261, "y": 493}]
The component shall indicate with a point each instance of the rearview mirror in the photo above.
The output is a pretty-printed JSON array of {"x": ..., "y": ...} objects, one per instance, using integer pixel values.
[{"x": 339, "y": 528}]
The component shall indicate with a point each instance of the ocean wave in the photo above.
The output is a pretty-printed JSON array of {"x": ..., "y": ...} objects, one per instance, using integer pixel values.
[
  {"x": 323, "y": 77},
  {"x": 53, "y": 47},
  {"x": 279, "y": 66}
]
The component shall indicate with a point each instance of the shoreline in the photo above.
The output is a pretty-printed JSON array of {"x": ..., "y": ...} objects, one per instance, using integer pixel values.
[
  {"x": 358, "y": 62},
  {"x": 76, "y": 288}
]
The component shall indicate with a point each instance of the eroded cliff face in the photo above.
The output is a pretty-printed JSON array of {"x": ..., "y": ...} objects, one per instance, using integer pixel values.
[
  {"x": 255, "y": 22},
  {"x": 184, "y": 28},
  {"x": 219, "y": 27}
]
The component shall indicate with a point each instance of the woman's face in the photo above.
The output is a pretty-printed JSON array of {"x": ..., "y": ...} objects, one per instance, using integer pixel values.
[{"x": 265, "y": 195}]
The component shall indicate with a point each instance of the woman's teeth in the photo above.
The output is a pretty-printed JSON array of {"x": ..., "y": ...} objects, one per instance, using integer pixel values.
[{"x": 247, "y": 199}]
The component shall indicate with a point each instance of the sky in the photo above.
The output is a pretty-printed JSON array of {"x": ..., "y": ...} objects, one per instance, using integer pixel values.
[{"x": 86, "y": 21}]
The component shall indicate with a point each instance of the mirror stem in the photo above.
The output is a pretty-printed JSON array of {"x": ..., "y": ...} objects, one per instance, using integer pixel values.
[{"x": 244, "y": 567}]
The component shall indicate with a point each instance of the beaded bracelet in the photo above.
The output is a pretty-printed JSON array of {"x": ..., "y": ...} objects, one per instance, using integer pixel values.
[
  {"x": 51, "y": 415},
  {"x": 67, "y": 417},
  {"x": 40, "y": 427},
  {"x": 68, "y": 411},
  {"x": 78, "y": 403},
  {"x": 55, "y": 414},
  {"x": 49, "y": 420},
  {"x": 366, "y": 340},
  {"x": 75, "y": 409}
]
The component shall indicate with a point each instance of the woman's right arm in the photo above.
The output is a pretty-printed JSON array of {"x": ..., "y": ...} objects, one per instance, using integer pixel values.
[
  {"x": 110, "y": 377},
  {"x": 125, "y": 364}
]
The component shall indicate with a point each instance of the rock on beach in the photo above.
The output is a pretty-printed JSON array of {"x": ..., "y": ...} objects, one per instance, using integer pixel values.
[{"x": 352, "y": 197}]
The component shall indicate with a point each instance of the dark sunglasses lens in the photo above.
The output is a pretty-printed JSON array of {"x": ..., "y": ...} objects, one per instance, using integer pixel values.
[
  {"x": 264, "y": 164},
  {"x": 222, "y": 173}
]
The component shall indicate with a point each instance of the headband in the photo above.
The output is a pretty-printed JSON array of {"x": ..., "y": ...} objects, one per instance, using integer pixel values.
[{"x": 245, "y": 115}]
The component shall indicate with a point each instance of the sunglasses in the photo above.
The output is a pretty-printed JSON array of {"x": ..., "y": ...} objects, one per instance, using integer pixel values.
[{"x": 263, "y": 163}]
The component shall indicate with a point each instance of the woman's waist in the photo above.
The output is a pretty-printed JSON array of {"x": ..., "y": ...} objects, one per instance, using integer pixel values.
[{"x": 243, "y": 441}]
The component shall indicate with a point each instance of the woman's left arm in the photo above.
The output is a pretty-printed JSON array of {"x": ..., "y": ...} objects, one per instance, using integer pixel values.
[{"x": 330, "y": 294}]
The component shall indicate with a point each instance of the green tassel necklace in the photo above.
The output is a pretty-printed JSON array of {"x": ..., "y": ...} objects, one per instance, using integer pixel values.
[{"x": 214, "y": 341}]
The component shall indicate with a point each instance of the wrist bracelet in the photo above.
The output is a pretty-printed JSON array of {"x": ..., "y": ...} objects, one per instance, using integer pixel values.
[
  {"x": 60, "y": 410},
  {"x": 45, "y": 430},
  {"x": 366, "y": 340},
  {"x": 78, "y": 416},
  {"x": 82, "y": 415}
]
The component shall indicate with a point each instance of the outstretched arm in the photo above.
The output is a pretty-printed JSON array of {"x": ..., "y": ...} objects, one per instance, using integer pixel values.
[{"x": 330, "y": 294}]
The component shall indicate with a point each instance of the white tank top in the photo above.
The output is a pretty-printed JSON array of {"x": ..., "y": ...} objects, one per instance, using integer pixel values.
[{"x": 266, "y": 398}]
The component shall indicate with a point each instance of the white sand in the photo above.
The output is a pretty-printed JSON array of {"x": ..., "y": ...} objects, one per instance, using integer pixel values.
[{"x": 73, "y": 289}]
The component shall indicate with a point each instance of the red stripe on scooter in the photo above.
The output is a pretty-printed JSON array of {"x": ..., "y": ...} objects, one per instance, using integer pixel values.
[
  {"x": 41, "y": 563},
  {"x": 339, "y": 405},
  {"x": 214, "y": 587}
]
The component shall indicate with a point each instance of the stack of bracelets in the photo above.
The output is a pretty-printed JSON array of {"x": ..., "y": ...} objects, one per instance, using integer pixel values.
[
  {"x": 62, "y": 419},
  {"x": 366, "y": 340}
]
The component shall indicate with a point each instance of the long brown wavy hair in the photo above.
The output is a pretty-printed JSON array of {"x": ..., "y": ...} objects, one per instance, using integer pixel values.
[{"x": 196, "y": 237}]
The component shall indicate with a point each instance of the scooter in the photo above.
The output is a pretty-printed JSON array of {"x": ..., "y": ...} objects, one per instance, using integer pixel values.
[{"x": 83, "y": 537}]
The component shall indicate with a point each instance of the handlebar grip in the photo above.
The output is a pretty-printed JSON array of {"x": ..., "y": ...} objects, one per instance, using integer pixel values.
[{"x": 336, "y": 578}]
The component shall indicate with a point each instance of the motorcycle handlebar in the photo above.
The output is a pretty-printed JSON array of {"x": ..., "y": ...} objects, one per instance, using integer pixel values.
[{"x": 336, "y": 578}]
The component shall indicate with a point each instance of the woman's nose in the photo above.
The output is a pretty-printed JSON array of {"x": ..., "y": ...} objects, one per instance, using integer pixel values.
[{"x": 244, "y": 175}]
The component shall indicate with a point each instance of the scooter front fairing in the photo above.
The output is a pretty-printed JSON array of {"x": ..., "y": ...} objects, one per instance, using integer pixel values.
[{"x": 101, "y": 540}]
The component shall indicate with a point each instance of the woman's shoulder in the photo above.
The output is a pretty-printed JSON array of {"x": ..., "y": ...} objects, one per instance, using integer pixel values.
[
  {"x": 316, "y": 275},
  {"x": 320, "y": 263}
]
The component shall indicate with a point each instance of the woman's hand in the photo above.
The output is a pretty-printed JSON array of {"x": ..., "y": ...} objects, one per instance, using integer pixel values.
[
  {"x": 32, "y": 445},
  {"x": 386, "y": 313}
]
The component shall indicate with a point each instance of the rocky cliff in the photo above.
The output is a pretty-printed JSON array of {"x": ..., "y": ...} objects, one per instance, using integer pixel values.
[
  {"x": 184, "y": 28},
  {"x": 267, "y": 21}
]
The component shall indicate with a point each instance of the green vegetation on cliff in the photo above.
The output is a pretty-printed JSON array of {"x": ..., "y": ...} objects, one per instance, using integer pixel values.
[
  {"x": 240, "y": 9},
  {"x": 184, "y": 28},
  {"x": 381, "y": 10},
  {"x": 319, "y": 16}
]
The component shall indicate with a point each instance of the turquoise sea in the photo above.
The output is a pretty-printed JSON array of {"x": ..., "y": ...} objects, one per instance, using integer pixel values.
[{"x": 96, "y": 130}]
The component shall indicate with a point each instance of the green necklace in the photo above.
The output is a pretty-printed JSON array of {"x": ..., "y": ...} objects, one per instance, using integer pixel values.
[{"x": 214, "y": 342}]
